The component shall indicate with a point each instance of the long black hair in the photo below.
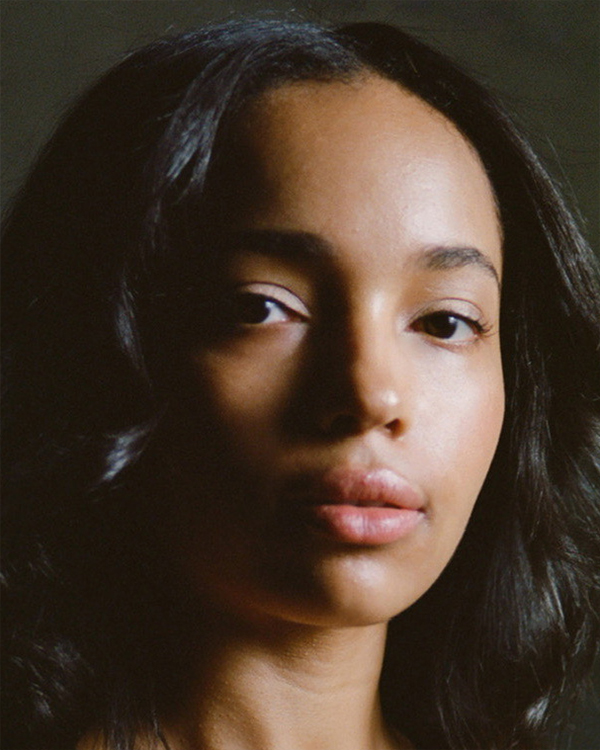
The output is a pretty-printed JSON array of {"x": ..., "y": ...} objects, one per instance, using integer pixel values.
[{"x": 100, "y": 249}]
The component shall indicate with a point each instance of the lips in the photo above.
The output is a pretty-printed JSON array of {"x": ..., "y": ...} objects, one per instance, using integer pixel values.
[{"x": 361, "y": 507}]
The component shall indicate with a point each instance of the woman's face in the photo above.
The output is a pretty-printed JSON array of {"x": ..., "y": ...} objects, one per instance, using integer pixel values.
[{"x": 353, "y": 385}]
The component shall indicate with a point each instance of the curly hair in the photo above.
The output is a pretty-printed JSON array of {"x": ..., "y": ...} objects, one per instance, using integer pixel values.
[{"x": 100, "y": 248}]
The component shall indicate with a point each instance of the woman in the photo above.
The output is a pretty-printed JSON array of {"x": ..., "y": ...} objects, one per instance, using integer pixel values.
[{"x": 302, "y": 419}]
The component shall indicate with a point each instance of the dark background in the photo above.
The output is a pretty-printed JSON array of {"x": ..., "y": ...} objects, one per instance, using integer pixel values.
[{"x": 540, "y": 56}]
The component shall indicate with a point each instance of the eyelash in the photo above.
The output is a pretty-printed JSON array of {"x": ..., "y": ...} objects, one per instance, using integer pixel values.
[
  {"x": 442, "y": 317},
  {"x": 478, "y": 328},
  {"x": 256, "y": 299}
]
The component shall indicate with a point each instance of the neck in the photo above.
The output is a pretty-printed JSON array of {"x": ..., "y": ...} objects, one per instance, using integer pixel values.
[{"x": 291, "y": 687}]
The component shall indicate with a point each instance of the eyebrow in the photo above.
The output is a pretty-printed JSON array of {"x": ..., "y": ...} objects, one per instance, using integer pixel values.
[
  {"x": 442, "y": 258},
  {"x": 290, "y": 245},
  {"x": 304, "y": 247}
]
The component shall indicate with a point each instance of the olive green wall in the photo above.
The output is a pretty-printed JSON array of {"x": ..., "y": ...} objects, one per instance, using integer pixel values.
[{"x": 541, "y": 56}]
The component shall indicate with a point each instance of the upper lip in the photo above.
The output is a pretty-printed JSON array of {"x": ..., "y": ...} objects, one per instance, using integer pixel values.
[{"x": 373, "y": 487}]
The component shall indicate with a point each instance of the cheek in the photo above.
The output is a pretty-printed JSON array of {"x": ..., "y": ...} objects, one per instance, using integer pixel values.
[
  {"x": 463, "y": 441},
  {"x": 469, "y": 424},
  {"x": 249, "y": 393},
  {"x": 483, "y": 407},
  {"x": 464, "y": 402}
]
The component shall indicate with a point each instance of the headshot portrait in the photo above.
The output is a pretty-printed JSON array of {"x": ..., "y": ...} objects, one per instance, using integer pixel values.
[{"x": 301, "y": 375}]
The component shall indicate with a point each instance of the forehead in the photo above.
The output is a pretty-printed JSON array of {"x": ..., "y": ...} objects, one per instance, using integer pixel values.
[
  {"x": 368, "y": 114},
  {"x": 358, "y": 160},
  {"x": 354, "y": 102}
]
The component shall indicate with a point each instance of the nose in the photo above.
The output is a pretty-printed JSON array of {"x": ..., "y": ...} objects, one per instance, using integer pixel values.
[{"x": 364, "y": 385}]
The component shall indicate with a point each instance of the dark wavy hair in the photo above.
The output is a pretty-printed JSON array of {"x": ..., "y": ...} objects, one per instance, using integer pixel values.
[{"x": 101, "y": 248}]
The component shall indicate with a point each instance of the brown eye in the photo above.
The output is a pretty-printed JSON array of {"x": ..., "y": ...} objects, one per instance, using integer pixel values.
[
  {"x": 445, "y": 325},
  {"x": 250, "y": 308}
]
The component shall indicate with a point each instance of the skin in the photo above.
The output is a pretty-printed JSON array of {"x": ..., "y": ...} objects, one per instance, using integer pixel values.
[{"x": 355, "y": 361}]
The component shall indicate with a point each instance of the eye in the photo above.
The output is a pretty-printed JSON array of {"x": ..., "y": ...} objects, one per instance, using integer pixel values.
[
  {"x": 449, "y": 326},
  {"x": 253, "y": 308}
]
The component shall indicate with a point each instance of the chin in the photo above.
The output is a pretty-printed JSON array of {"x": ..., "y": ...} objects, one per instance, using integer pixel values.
[{"x": 347, "y": 590}]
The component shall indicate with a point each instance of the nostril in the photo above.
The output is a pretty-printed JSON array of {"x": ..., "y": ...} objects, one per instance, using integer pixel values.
[
  {"x": 346, "y": 425},
  {"x": 394, "y": 427}
]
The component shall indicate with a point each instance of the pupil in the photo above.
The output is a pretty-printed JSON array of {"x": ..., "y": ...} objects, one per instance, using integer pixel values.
[
  {"x": 251, "y": 308},
  {"x": 443, "y": 326}
]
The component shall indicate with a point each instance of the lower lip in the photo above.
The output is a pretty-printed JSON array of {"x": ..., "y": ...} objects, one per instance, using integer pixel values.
[{"x": 364, "y": 525}]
